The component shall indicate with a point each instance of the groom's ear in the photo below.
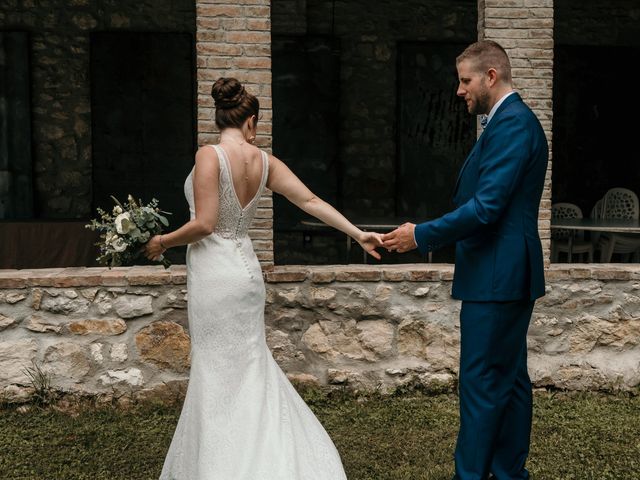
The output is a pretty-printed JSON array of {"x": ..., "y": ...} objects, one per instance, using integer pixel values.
[{"x": 492, "y": 73}]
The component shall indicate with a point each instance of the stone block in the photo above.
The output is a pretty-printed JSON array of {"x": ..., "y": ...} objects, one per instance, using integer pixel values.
[
  {"x": 15, "y": 356},
  {"x": 103, "y": 326},
  {"x": 165, "y": 344},
  {"x": 6, "y": 322},
  {"x": 129, "y": 376},
  {"x": 132, "y": 306},
  {"x": 66, "y": 361}
]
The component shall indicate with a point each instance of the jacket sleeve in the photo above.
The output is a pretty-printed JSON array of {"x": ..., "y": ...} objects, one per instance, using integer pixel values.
[{"x": 502, "y": 166}]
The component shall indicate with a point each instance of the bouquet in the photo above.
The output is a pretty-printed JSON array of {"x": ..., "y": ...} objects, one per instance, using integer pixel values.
[{"x": 126, "y": 229}]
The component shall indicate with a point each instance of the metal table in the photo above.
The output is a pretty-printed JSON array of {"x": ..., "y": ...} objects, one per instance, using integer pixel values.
[{"x": 615, "y": 225}]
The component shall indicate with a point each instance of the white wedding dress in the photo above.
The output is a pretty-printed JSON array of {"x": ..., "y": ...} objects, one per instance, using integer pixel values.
[{"x": 241, "y": 419}]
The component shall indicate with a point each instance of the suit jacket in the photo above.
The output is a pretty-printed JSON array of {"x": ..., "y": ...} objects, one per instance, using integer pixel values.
[{"x": 495, "y": 223}]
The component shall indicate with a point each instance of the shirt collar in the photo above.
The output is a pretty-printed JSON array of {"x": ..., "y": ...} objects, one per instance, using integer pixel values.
[{"x": 496, "y": 106}]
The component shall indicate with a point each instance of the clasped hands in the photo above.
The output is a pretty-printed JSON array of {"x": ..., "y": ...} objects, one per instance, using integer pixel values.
[{"x": 400, "y": 240}]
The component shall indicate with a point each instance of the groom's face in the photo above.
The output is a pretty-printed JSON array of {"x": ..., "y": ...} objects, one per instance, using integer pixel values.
[{"x": 473, "y": 88}]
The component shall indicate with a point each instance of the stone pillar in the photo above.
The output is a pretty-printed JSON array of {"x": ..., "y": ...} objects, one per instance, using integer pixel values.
[
  {"x": 234, "y": 40},
  {"x": 525, "y": 29}
]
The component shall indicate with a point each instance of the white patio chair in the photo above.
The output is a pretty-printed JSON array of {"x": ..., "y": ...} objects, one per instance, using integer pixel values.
[
  {"x": 619, "y": 203},
  {"x": 596, "y": 212},
  {"x": 560, "y": 237}
]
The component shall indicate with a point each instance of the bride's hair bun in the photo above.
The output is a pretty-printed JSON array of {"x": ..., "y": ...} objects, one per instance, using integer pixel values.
[
  {"x": 233, "y": 103},
  {"x": 227, "y": 93}
]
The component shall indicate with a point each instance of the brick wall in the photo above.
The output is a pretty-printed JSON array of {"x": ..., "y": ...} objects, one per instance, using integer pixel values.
[
  {"x": 525, "y": 29},
  {"x": 233, "y": 39}
]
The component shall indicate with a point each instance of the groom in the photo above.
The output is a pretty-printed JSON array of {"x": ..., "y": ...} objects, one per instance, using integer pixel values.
[{"x": 498, "y": 269}]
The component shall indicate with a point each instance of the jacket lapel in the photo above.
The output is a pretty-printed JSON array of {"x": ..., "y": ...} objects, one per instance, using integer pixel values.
[{"x": 510, "y": 99}]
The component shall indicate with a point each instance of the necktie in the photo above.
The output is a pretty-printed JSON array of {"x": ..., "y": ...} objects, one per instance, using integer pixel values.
[{"x": 484, "y": 119}]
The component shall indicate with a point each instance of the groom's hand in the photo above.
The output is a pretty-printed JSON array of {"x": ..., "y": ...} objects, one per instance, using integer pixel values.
[{"x": 401, "y": 239}]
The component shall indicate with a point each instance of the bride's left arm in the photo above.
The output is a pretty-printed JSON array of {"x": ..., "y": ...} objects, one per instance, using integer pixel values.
[
  {"x": 283, "y": 181},
  {"x": 205, "y": 192}
]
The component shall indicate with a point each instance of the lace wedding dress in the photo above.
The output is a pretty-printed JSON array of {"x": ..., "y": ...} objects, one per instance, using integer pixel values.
[{"x": 241, "y": 418}]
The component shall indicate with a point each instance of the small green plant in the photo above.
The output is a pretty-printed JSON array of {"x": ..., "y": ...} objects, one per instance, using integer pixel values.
[{"x": 40, "y": 380}]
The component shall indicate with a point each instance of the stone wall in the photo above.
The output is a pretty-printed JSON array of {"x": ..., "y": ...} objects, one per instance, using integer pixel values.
[
  {"x": 125, "y": 330},
  {"x": 61, "y": 108}
]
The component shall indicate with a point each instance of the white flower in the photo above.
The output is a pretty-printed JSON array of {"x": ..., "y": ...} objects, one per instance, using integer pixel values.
[
  {"x": 118, "y": 244},
  {"x": 124, "y": 224},
  {"x": 117, "y": 210}
]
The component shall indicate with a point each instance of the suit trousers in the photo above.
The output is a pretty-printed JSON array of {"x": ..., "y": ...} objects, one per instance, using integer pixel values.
[{"x": 495, "y": 391}]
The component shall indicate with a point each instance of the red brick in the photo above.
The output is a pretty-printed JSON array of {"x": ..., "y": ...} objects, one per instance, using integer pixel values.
[
  {"x": 347, "y": 275},
  {"x": 264, "y": 213},
  {"x": 11, "y": 279},
  {"x": 447, "y": 275},
  {"x": 611, "y": 274},
  {"x": 264, "y": 141},
  {"x": 42, "y": 277},
  {"x": 78, "y": 277},
  {"x": 554, "y": 274},
  {"x": 252, "y": 62},
  {"x": 252, "y": 2},
  {"x": 423, "y": 275},
  {"x": 393, "y": 275},
  {"x": 263, "y": 244},
  {"x": 286, "y": 276},
  {"x": 259, "y": 24},
  {"x": 233, "y": 24},
  {"x": 255, "y": 12},
  {"x": 257, "y": 77},
  {"x": 219, "y": 63},
  {"x": 116, "y": 277},
  {"x": 210, "y": 36},
  {"x": 257, "y": 50},
  {"x": 580, "y": 273},
  {"x": 215, "y": 48},
  {"x": 265, "y": 202},
  {"x": 219, "y": 11},
  {"x": 265, "y": 256},
  {"x": 149, "y": 276},
  {"x": 262, "y": 224},
  {"x": 208, "y": 23},
  {"x": 323, "y": 276},
  {"x": 179, "y": 276},
  {"x": 248, "y": 37},
  {"x": 261, "y": 234}
]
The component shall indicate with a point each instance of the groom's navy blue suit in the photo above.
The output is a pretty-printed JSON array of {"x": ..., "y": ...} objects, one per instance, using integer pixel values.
[{"x": 498, "y": 276}]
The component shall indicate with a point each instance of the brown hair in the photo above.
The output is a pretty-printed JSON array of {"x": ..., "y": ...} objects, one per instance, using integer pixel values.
[
  {"x": 487, "y": 54},
  {"x": 233, "y": 103}
]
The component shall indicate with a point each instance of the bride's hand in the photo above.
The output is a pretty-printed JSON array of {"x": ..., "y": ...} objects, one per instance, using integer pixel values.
[
  {"x": 369, "y": 241},
  {"x": 152, "y": 249}
]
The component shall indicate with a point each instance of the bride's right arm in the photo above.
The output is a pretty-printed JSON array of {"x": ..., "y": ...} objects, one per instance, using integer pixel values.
[
  {"x": 205, "y": 193},
  {"x": 283, "y": 181}
]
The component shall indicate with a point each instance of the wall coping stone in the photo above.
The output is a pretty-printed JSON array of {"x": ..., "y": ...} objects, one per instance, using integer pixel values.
[{"x": 177, "y": 274}]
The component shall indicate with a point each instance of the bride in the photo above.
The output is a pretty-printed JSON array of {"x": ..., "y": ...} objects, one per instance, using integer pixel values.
[{"x": 241, "y": 418}]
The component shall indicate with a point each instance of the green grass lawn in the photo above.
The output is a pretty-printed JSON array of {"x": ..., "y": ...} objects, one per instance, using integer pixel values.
[{"x": 409, "y": 437}]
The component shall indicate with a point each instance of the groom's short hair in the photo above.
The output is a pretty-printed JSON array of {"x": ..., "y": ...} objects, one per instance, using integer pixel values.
[{"x": 486, "y": 54}]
